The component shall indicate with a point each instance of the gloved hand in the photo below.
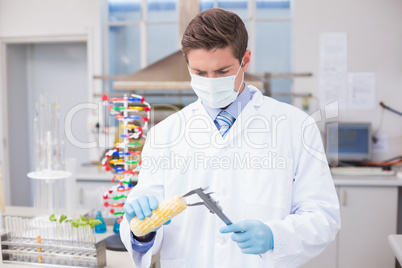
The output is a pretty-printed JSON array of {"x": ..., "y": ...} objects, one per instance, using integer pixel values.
[
  {"x": 141, "y": 208},
  {"x": 252, "y": 236}
]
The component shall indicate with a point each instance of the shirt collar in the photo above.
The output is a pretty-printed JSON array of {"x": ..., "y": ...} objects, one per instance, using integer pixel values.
[{"x": 235, "y": 107}]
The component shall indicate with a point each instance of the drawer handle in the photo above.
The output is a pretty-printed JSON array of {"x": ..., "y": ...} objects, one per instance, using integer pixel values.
[{"x": 343, "y": 197}]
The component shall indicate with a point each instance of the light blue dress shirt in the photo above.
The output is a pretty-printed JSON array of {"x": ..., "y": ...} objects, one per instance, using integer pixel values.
[{"x": 234, "y": 108}]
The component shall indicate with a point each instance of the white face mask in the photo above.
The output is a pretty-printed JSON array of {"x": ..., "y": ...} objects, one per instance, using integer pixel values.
[{"x": 216, "y": 92}]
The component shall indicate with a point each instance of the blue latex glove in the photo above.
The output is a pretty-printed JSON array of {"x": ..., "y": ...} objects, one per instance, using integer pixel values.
[
  {"x": 141, "y": 208},
  {"x": 252, "y": 236}
]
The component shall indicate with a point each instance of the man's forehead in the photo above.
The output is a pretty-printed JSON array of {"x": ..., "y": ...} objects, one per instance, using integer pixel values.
[{"x": 201, "y": 59}]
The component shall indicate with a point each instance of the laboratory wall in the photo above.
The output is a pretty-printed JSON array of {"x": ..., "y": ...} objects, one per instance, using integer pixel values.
[
  {"x": 54, "y": 47},
  {"x": 41, "y": 19},
  {"x": 374, "y": 44}
]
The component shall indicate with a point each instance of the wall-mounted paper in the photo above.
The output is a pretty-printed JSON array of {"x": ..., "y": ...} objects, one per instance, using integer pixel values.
[
  {"x": 361, "y": 91},
  {"x": 333, "y": 52},
  {"x": 333, "y": 87},
  {"x": 333, "y": 69}
]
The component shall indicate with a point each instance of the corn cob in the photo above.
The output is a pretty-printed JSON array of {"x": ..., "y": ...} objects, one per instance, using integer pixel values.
[{"x": 165, "y": 211}]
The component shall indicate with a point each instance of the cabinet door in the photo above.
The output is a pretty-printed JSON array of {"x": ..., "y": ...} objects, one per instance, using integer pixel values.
[
  {"x": 90, "y": 194},
  {"x": 368, "y": 215}
]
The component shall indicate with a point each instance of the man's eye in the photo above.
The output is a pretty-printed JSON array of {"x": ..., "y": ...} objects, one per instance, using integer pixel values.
[
  {"x": 223, "y": 72},
  {"x": 200, "y": 73}
]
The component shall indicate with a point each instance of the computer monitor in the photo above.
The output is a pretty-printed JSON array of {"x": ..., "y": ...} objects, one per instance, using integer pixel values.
[{"x": 348, "y": 142}]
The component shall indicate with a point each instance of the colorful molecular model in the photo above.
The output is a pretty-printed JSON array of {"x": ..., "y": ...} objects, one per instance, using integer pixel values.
[{"x": 124, "y": 160}]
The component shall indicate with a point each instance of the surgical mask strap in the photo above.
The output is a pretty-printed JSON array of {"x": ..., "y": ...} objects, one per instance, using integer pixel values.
[{"x": 242, "y": 80}]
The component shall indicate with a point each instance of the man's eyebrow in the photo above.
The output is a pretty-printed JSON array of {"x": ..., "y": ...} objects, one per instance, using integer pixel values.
[
  {"x": 198, "y": 70},
  {"x": 223, "y": 68},
  {"x": 218, "y": 70}
]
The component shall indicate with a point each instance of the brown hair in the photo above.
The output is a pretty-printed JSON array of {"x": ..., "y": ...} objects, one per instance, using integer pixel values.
[{"x": 216, "y": 28}]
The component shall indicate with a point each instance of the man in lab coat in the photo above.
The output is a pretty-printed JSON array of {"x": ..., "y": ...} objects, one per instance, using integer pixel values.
[{"x": 263, "y": 160}]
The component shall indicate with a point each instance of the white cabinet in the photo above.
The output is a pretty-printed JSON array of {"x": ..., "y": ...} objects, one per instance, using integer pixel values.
[
  {"x": 92, "y": 183},
  {"x": 89, "y": 194},
  {"x": 369, "y": 215}
]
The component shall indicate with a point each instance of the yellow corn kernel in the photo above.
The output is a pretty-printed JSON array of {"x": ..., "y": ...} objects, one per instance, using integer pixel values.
[{"x": 165, "y": 211}]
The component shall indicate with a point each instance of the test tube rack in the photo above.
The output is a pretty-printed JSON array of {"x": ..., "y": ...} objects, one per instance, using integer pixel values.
[{"x": 23, "y": 244}]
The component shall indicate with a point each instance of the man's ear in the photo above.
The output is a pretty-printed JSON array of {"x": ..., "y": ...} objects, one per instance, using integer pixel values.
[
  {"x": 185, "y": 57},
  {"x": 246, "y": 59}
]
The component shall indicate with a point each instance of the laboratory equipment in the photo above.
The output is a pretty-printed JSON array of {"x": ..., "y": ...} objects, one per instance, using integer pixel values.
[
  {"x": 49, "y": 174},
  {"x": 46, "y": 243},
  {"x": 168, "y": 209},
  {"x": 172, "y": 207},
  {"x": 100, "y": 228},
  {"x": 348, "y": 142},
  {"x": 390, "y": 109},
  {"x": 116, "y": 226},
  {"x": 124, "y": 159}
]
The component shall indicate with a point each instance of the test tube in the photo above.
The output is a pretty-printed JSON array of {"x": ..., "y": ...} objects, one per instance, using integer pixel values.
[
  {"x": 15, "y": 224},
  {"x": 44, "y": 233},
  {"x": 54, "y": 119},
  {"x": 42, "y": 130},
  {"x": 7, "y": 220},
  {"x": 39, "y": 248},
  {"x": 36, "y": 139}
]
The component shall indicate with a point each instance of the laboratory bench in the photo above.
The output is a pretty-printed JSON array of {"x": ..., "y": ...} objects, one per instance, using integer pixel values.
[{"x": 97, "y": 174}]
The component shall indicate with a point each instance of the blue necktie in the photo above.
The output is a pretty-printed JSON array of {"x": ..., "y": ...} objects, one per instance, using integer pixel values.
[{"x": 224, "y": 121}]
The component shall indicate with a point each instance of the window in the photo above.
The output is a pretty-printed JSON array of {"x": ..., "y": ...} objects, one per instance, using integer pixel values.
[
  {"x": 137, "y": 28},
  {"x": 134, "y": 31}
]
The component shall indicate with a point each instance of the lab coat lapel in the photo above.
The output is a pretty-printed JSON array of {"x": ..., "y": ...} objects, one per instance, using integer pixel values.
[
  {"x": 246, "y": 115},
  {"x": 201, "y": 121}
]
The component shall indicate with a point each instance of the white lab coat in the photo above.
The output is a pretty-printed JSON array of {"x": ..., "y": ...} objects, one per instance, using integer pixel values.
[{"x": 270, "y": 167}]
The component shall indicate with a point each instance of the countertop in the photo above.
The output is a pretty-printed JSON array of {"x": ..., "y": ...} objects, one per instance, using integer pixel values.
[
  {"x": 95, "y": 173},
  {"x": 367, "y": 181}
]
